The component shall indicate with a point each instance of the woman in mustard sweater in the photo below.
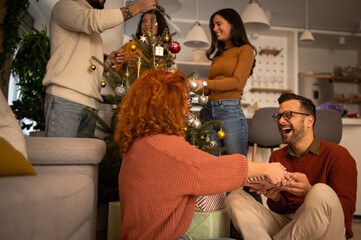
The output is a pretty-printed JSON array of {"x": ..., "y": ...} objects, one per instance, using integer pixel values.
[
  {"x": 162, "y": 174},
  {"x": 233, "y": 60}
]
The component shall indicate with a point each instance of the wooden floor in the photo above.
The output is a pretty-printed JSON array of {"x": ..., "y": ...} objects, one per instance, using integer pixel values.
[{"x": 356, "y": 228}]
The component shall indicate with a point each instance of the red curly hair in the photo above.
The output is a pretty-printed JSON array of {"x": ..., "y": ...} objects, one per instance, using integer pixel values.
[{"x": 155, "y": 104}]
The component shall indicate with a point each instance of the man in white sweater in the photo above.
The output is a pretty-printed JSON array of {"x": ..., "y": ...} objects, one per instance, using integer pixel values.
[{"x": 71, "y": 85}]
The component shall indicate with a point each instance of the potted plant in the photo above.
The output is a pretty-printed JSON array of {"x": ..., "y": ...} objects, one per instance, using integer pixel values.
[{"x": 29, "y": 68}]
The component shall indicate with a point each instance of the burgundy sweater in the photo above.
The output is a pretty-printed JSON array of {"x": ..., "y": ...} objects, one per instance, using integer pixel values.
[
  {"x": 333, "y": 166},
  {"x": 161, "y": 177}
]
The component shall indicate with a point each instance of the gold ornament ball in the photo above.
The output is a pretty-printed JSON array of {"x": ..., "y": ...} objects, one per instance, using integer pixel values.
[
  {"x": 221, "y": 134},
  {"x": 166, "y": 38},
  {"x": 93, "y": 67},
  {"x": 114, "y": 106},
  {"x": 133, "y": 47},
  {"x": 103, "y": 84}
]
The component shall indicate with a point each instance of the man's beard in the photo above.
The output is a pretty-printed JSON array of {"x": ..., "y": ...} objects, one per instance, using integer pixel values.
[
  {"x": 96, "y": 4},
  {"x": 297, "y": 135}
]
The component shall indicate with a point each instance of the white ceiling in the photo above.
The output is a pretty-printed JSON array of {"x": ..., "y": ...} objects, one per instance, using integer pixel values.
[
  {"x": 326, "y": 17},
  {"x": 335, "y": 15}
]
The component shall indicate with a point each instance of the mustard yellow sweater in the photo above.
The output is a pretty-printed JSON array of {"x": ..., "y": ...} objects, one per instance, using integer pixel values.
[
  {"x": 160, "y": 179},
  {"x": 121, "y": 70},
  {"x": 229, "y": 72}
]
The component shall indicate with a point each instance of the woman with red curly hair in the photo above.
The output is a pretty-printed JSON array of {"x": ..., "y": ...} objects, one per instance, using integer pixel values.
[{"x": 162, "y": 174}]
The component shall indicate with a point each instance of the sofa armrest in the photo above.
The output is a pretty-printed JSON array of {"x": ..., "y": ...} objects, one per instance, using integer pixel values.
[{"x": 64, "y": 151}]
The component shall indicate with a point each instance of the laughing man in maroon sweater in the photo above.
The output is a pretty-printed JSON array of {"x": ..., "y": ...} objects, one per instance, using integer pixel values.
[{"x": 320, "y": 202}]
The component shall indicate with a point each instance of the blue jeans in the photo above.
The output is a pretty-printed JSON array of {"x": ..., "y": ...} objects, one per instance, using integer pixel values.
[
  {"x": 64, "y": 118},
  {"x": 228, "y": 111},
  {"x": 234, "y": 125}
]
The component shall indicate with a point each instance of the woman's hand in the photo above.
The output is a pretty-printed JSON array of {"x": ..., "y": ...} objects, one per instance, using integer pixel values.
[
  {"x": 132, "y": 61},
  {"x": 276, "y": 174},
  {"x": 199, "y": 83}
]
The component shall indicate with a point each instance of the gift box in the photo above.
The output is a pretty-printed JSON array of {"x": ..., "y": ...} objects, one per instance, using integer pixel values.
[
  {"x": 255, "y": 181},
  {"x": 114, "y": 221},
  {"x": 207, "y": 225},
  {"x": 210, "y": 203},
  {"x": 204, "y": 225}
]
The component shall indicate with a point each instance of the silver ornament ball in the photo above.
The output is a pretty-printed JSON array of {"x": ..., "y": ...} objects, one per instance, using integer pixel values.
[
  {"x": 196, "y": 124},
  {"x": 193, "y": 85},
  {"x": 189, "y": 120},
  {"x": 114, "y": 106},
  {"x": 203, "y": 99},
  {"x": 120, "y": 91}
]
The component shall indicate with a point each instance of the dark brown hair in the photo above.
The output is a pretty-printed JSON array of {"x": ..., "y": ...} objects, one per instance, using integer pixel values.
[
  {"x": 306, "y": 104},
  {"x": 162, "y": 23},
  {"x": 239, "y": 35}
]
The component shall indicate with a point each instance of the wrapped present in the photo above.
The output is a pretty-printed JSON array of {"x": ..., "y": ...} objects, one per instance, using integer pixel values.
[
  {"x": 210, "y": 202},
  {"x": 255, "y": 182},
  {"x": 114, "y": 221},
  {"x": 204, "y": 225},
  {"x": 208, "y": 225}
]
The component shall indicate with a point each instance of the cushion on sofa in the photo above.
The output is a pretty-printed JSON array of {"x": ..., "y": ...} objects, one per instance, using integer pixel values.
[
  {"x": 9, "y": 127},
  {"x": 12, "y": 162}
]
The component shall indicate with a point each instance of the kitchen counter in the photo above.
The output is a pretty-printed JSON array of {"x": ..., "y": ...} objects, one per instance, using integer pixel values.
[
  {"x": 351, "y": 121},
  {"x": 351, "y": 139}
]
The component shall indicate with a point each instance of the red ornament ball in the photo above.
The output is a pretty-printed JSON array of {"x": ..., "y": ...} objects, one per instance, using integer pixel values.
[{"x": 175, "y": 47}]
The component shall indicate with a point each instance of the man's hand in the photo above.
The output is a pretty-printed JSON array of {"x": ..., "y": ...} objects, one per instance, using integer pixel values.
[
  {"x": 146, "y": 5},
  {"x": 140, "y": 7},
  {"x": 273, "y": 193},
  {"x": 299, "y": 187}
]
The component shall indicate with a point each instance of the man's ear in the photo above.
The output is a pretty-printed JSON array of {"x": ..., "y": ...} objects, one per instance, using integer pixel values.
[{"x": 310, "y": 120}]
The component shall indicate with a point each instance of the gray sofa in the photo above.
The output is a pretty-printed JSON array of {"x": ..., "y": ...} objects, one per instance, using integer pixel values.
[
  {"x": 58, "y": 203},
  {"x": 61, "y": 201}
]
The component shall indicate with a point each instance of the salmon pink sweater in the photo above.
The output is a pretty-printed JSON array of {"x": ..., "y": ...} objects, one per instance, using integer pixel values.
[{"x": 160, "y": 178}]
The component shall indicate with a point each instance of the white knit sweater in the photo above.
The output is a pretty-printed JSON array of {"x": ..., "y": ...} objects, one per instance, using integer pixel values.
[{"x": 75, "y": 28}]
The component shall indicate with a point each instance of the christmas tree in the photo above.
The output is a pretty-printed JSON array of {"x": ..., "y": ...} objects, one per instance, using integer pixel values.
[{"x": 156, "y": 52}]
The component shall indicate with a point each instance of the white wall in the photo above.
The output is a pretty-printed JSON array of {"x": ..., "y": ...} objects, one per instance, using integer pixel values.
[
  {"x": 324, "y": 60},
  {"x": 113, "y": 38}
]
